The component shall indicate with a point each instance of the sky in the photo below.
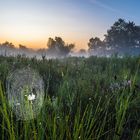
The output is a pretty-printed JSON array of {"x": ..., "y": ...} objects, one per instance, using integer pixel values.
[{"x": 32, "y": 22}]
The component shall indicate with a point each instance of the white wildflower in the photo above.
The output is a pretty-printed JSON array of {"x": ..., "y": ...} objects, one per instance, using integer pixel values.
[
  {"x": 31, "y": 97},
  {"x": 89, "y": 99}
]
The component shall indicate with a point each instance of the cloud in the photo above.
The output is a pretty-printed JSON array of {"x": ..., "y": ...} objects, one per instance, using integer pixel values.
[{"x": 105, "y": 6}]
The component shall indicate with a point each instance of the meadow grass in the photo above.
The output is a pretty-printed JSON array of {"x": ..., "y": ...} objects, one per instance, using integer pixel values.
[{"x": 85, "y": 99}]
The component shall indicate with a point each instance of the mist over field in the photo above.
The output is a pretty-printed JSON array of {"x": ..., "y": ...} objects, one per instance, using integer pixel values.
[
  {"x": 123, "y": 38},
  {"x": 69, "y": 70}
]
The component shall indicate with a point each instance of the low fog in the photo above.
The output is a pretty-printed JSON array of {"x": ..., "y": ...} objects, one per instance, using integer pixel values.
[{"x": 123, "y": 38}]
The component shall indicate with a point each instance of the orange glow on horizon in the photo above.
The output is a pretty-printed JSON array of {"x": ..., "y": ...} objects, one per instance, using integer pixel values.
[{"x": 37, "y": 44}]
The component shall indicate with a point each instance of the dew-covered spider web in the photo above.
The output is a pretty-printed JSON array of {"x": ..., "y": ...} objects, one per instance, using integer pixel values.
[{"x": 25, "y": 93}]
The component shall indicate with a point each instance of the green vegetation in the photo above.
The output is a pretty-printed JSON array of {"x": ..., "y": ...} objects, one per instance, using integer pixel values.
[{"x": 85, "y": 99}]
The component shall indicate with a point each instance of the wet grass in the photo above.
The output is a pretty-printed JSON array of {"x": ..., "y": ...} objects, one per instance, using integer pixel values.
[{"x": 81, "y": 100}]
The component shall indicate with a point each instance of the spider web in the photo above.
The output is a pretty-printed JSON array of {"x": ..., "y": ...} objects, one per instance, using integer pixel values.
[{"x": 25, "y": 93}]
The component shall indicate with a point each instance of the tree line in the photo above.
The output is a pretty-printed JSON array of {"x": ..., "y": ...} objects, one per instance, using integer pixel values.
[{"x": 121, "y": 36}]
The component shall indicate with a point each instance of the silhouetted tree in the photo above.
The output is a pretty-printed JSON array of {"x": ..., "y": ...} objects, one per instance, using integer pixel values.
[
  {"x": 96, "y": 47},
  {"x": 8, "y": 45},
  {"x": 22, "y": 47},
  {"x": 6, "y": 48},
  {"x": 123, "y": 34},
  {"x": 57, "y": 47},
  {"x": 95, "y": 43},
  {"x": 50, "y": 43}
]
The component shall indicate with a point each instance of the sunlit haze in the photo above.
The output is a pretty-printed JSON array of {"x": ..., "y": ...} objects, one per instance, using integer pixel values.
[{"x": 32, "y": 22}]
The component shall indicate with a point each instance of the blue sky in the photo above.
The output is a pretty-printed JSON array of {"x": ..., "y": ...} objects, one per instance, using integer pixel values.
[{"x": 32, "y": 22}]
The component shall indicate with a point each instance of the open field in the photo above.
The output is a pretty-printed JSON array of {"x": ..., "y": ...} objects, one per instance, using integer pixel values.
[{"x": 85, "y": 98}]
